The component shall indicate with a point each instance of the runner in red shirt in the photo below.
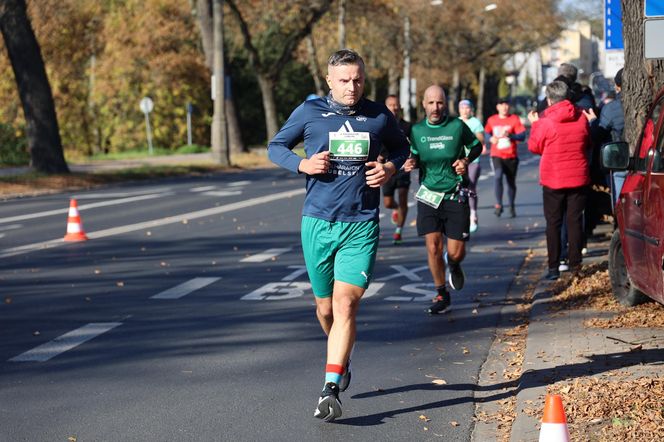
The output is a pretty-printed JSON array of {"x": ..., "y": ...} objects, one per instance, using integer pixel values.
[{"x": 505, "y": 130}]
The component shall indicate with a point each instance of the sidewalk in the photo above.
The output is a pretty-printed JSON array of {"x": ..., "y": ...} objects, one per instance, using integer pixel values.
[
  {"x": 541, "y": 342},
  {"x": 559, "y": 347}
]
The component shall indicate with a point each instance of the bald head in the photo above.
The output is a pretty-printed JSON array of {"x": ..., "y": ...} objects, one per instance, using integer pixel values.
[{"x": 434, "y": 103}]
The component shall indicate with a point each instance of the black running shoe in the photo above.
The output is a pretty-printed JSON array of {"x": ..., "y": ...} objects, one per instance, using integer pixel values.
[
  {"x": 456, "y": 277},
  {"x": 345, "y": 378},
  {"x": 498, "y": 210},
  {"x": 440, "y": 303},
  {"x": 512, "y": 212},
  {"x": 553, "y": 274},
  {"x": 329, "y": 405}
]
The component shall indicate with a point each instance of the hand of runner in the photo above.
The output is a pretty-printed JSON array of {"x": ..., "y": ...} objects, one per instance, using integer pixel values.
[
  {"x": 378, "y": 173},
  {"x": 534, "y": 116},
  {"x": 410, "y": 164},
  {"x": 460, "y": 166},
  {"x": 318, "y": 163},
  {"x": 589, "y": 114}
]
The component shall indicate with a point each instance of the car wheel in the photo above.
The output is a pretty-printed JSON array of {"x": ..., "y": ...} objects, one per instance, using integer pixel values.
[{"x": 621, "y": 284}]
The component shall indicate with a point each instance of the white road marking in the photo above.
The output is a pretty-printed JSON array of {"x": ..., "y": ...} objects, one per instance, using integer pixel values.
[
  {"x": 11, "y": 227},
  {"x": 223, "y": 192},
  {"x": 299, "y": 271},
  {"x": 156, "y": 222},
  {"x": 185, "y": 288},
  {"x": 65, "y": 342},
  {"x": 84, "y": 207},
  {"x": 239, "y": 183},
  {"x": 266, "y": 255},
  {"x": 202, "y": 189},
  {"x": 373, "y": 289},
  {"x": 151, "y": 191},
  {"x": 403, "y": 271},
  {"x": 530, "y": 160}
]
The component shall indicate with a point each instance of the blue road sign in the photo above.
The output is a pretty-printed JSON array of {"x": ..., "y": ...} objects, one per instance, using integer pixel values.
[
  {"x": 654, "y": 8},
  {"x": 613, "y": 35}
]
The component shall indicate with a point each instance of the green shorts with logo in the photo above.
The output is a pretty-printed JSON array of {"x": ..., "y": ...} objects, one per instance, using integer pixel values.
[{"x": 338, "y": 251}]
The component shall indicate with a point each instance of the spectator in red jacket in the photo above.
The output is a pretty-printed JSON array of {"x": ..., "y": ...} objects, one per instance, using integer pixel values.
[
  {"x": 505, "y": 130},
  {"x": 562, "y": 137}
]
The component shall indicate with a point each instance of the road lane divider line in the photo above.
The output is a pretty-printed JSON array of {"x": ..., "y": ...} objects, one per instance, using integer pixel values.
[
  {"x": 101, "y": 195},
  {"x": 156, "y": 222},
  {"x": 266, "y": 255},
  {"x": 65, "y": 342},
  {"x": 239, "y": 183},
  {"x": 223, "y": 192},
  {"x": 10, "y": 227},
  {"x": 202, "y": 189},
  {"x": 185, "y": 288},
  {"x": 84, "y": 207}
]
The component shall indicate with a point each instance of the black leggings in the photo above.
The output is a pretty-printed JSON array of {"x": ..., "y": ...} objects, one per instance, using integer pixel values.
[{"x": 507, "y": 167}]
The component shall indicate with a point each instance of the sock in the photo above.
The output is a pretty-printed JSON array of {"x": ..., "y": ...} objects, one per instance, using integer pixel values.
[
  {"x": 333, "y": 373},
  {"x": 397, "y": 230},
  {"x": 441, "y": 290}
]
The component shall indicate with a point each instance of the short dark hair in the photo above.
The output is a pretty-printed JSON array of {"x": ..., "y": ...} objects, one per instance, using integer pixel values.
[
  {"x": 569, "y": 71},
  {"x": 557, "y": 91},
  {"x": 618, "y": 78},
  {"x": 391, "y": 96},
  {"x": 345, "y": 57}
]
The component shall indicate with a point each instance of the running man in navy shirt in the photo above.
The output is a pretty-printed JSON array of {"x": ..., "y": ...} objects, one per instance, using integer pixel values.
[{"x": 343, "y": 134}]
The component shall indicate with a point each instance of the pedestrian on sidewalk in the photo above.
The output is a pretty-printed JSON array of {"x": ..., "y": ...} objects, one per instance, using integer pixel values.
[
  {"x": 505, "y": 130},
  {"x": 562, "y": 138},
  {"x": 474, "y": 168},
  {"x": 400, "y": 182},
  {"x": 342, "y": 134},
  {"x": 438, "y": 148}
]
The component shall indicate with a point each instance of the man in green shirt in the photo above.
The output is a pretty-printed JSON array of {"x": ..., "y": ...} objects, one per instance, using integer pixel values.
[{"x": 438, "y": 147}]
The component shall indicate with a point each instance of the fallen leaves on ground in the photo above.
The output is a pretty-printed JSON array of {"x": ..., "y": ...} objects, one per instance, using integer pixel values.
[
  {"x": 591, "y": 289},
  {"x": 613, "y": 408}
]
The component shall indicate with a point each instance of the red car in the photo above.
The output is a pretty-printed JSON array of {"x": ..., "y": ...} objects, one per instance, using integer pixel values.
[{"x": 636, "y": 254}]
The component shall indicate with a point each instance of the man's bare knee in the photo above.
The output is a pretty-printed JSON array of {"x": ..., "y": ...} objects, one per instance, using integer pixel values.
[
  {"x": 345, "y": 306},
  {"x": 324, "y": 311}
]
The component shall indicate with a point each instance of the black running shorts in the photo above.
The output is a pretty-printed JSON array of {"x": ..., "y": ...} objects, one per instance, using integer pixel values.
[
  {"x": 451, "y": 218},
  {"x": 399, "y": 180}
]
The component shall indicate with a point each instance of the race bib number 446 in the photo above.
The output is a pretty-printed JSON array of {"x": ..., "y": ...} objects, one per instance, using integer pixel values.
[{"x": 349, "y": 146}]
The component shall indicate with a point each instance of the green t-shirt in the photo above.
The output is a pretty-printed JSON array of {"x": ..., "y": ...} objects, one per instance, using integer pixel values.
[{"x": 437, "y": 147}]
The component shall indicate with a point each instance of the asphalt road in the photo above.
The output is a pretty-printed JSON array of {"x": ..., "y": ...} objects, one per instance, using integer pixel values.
[{"x": 188, "y": 316}]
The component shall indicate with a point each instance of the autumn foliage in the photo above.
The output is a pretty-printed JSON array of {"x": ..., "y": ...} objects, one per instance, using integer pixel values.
[{"x": 103, "y": 56}]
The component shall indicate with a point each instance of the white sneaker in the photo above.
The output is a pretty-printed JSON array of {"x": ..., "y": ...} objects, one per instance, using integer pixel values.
[
  {"x": 563, "y": 267},
  {"x": 473, "y": 227}
]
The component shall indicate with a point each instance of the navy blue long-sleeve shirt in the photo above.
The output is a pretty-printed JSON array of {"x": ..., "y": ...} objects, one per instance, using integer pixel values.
[{"x": 342, "y": 193}]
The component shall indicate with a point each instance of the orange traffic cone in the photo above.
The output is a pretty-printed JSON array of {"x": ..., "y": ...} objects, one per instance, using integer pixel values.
[
  {"x": 554, "y": 423},
  {"x": 74, "y": 227}
]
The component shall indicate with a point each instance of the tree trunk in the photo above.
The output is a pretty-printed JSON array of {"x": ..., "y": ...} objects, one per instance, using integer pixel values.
[
  {"x": 454, "y": 92},
  {"x": 342, "y": 24},
  {"x": 641, "y": 78},
  {"x": 314, "y": 68},
  {"x": 235, "y": 143},
  {"x": 267, "y": 85},
  {"x": 33, "y": 87},
  {"x": 204, "y": 16},
  {"x": 220, "y": 150},
  {"x": 480, "y": 95},
  {"x": 392, "y": 81}
]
